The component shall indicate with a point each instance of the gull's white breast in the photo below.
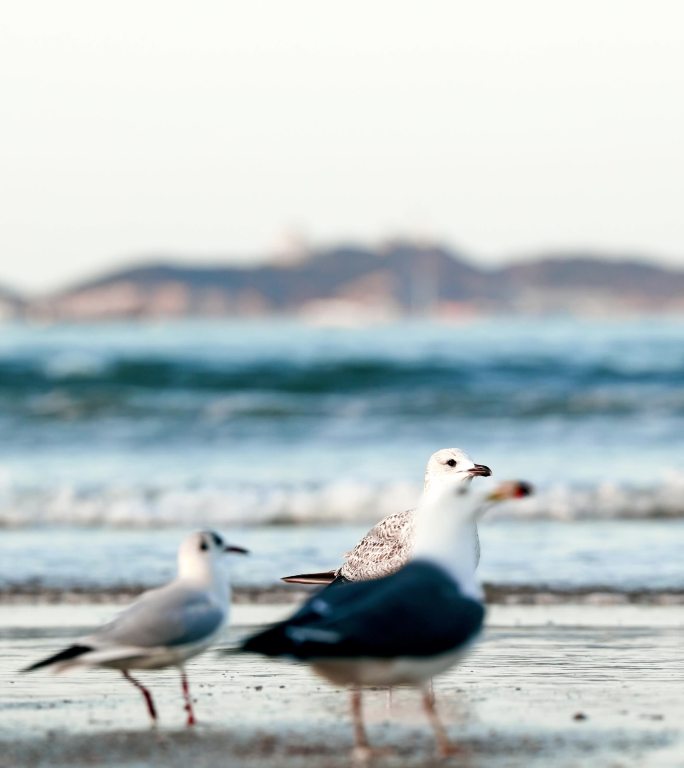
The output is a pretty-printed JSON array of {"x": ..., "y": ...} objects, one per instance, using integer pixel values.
[{"x": 388, "y": 672}]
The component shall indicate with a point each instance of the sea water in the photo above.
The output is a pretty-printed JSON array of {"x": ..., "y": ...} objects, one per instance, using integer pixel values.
[{"x": 153, "y": 429}]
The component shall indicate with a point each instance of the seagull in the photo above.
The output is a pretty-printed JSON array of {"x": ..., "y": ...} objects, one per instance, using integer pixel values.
[
  {"x": 386, "y": 547},
  {"x": 164, "y": 627},
  {"x": 400, "y": 629}
]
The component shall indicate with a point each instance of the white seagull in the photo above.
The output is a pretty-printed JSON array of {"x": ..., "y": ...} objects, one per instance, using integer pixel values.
[
  {"x": 164, "y": 627},
  {"x": 401, "y": 629},
  {"x": 386, "y": 547}
]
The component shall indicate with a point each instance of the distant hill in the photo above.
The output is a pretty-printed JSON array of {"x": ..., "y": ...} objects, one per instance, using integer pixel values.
[
  {"x": 351, "y": 283},
  {"x": 581, "y": 283},
  {"x": 11, "y": 303}
]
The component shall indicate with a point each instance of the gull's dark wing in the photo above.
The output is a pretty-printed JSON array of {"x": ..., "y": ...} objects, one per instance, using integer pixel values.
[{"x": 418, "y": 611}]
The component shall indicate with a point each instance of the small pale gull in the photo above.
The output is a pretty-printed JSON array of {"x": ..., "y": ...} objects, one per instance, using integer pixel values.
[{"x": 164, "y": 627}]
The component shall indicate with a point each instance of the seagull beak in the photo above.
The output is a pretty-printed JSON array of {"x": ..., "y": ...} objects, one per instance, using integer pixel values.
[
  {"x": 479, "y": 470},
  {"x": 236, "y": 550}
]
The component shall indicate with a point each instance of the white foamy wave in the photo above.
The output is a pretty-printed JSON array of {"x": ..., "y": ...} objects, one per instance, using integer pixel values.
[
  {"x": 124, "y": 508},
  {"x": 335, "y": 503}
]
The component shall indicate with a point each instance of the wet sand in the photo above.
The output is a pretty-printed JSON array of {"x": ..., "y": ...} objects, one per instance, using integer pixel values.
[{"x": 554, "y": 685}]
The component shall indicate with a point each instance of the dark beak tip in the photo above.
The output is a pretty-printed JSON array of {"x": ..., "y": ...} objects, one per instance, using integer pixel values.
[
  {"x": 481, "y": 470},
  {"x": 236, "y": 550}
]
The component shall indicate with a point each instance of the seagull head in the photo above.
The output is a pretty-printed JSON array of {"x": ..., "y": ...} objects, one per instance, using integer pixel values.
[
  {"x": 201, "y": 552},
  {"x": 452, "y": 467},
  {"x": 511, "y": 489}
]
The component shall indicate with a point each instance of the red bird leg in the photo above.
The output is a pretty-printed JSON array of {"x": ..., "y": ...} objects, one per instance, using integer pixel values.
[
  {"x": 146, "y": 694},
  {"x": 188, "y": 700}
]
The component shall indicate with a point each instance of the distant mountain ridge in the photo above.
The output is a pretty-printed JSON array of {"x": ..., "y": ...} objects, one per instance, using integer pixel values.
[
  {"x": 11, "y": 303},
  {"x": 356, "y": 283}
]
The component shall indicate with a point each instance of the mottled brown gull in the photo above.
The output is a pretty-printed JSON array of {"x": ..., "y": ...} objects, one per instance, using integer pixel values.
[{"x": 387, "y": 546}]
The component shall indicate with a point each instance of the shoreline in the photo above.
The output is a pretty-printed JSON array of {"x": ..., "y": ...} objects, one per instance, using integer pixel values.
[
  {"x": 285, "y": 594},
  {"x": 548, "y": 686}
]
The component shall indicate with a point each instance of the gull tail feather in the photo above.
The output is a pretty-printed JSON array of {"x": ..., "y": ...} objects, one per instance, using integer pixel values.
[
  {"x": 72, "y": 652},
  {"x": 116, "y": 657},
  {"x": 88, "y": 656},
  {"x": 325, "y": 577},
  {"x": 270, "y": 642}
]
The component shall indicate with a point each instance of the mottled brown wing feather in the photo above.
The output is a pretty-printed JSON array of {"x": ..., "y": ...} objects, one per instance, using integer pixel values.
[{"x": 383, "y": 550}]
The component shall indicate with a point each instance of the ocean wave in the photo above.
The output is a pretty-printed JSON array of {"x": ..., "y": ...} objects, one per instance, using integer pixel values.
[
  {"x": 84, "y": 390},
  {"x": 323, "y": 376},
  {"x": 313, "y": 375},
  {"x": 333, "y": 503}
]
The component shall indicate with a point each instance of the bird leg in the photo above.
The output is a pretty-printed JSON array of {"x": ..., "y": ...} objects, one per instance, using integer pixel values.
[
  {"x": 188, "y": 700},
  {"x": 431, "y": 690},
  {"x": 362, "y": 749},
  {"x": 444, "y": 746},
  {"x": 361, "y": 744},
  {"x": 146, "y": 694}
]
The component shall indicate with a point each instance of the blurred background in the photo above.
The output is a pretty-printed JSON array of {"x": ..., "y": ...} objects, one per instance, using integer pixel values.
[{"x": 259, "y": 260}]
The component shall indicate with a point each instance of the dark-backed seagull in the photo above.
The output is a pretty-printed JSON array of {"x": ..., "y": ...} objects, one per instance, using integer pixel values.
[
  {"x": 386, "y": 547},
  {"x": 164, "y": 627},
  {"x": 397, "y": 630}
]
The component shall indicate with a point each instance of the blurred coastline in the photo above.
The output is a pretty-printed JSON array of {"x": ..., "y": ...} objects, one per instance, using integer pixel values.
[{"x": 359, "y": 285}]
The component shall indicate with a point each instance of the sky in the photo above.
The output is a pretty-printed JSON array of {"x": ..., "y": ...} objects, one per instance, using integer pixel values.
[{"x": 208, "y": 130}]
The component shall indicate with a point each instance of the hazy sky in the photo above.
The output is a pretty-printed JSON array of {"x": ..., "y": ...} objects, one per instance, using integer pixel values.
[{"x": 145, "y": 127}]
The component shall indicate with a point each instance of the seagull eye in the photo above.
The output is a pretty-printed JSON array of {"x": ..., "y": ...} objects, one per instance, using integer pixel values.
[{"x": 452, "y": 462}]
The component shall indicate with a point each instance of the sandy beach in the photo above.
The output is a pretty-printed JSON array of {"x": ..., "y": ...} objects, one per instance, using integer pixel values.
[{"x": 556, "y": 685}]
